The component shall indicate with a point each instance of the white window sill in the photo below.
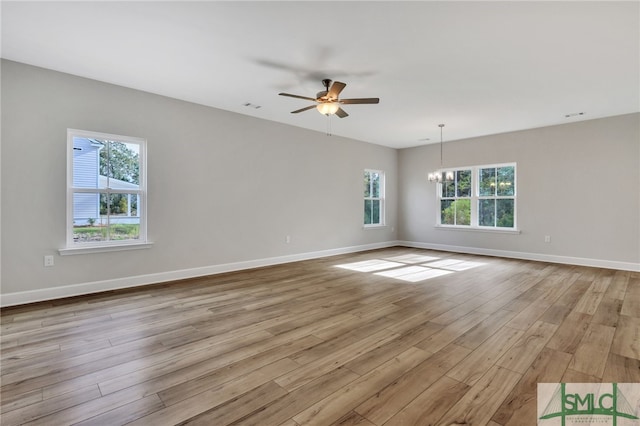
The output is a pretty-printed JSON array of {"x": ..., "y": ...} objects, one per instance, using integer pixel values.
[
  {"x": 477, "y": 229},
  {"x": 87, "y": 249},
  {"x": 374, "y": 226}
]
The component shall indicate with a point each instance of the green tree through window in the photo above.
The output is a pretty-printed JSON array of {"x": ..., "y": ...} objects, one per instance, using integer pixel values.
[{"x": 373, "y": 197}]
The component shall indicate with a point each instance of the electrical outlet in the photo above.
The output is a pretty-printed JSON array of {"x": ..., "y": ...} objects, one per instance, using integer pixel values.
[
  {"x": 547, "y": 238},
  {"x": 287, "y": 239},
  {"x": 48, "y": 260}
]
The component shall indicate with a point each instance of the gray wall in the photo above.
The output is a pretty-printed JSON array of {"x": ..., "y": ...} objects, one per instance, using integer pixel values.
[
  {"x": 578, "y": 183},
  {"x": 222, "y": 187},
  {"x": 226, "y": 188}
]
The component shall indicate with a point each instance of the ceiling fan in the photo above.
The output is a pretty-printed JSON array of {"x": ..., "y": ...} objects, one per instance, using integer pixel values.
[{"x": 328, "y": 101}]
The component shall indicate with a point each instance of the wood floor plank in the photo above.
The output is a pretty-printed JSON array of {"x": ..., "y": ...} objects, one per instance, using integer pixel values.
[
  {"x": 528, "y": 316},
  {"x": 296, "y": 401},
  {"x": 473, "y": 367},
  {"x": 590, "y": 300},
  {"x": 573, "y": 376},
  {"x": 626, "y": 341},
  {"x": 48, "y": 406},
  {"x": 324, "y": 341},
  {"x": 92, "y": 407},
  {"x": 381, "y": 354},
  {"x": 451, "y": 332},
  {"x": 210, "y": 399},
  {"x": 459, "y": 311},
  {"x": 608, "y": 312},
  {"x": 386, "y": 403},
  {"x": 126, "y": 413},
  {"x": 173, "y": 361},
  {"x": 485, "y": 329},
  {"x": 618, "y": 286},
  {"x": 238, "y": 407},
  {"x": 521, "y": 403},
  {"x": 631, "y": 304},
  {"x": 570, "y": 332},
  {"x": 620, "y": 369},
  {"x": 593, "y": 351},
  {"x": 196, "y": 378},
  {"x": 308, "y": 372},
  {"x": 15, "y": 401},
  {"x": 332, "y": 407},
  {"x": 352, "y": 419},
  {"x": 428, "y": 407},
  {"x": 478, "y": 405},
  {"x": 527, "y": 348},
  {"x": 331, "y": 345}
]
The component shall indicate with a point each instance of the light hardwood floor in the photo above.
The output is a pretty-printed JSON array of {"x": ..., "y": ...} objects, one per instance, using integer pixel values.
[{"x": 386, "y": 337}]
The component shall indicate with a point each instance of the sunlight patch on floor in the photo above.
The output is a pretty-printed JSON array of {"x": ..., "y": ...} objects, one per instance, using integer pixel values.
[
  {"x": 412, "y": 258},
  {"x": 413, "y": 274},
  {"x": 404, "y": 267},
  {"x": 370, "y": 265},
  {"x": 453, "y": 264}
]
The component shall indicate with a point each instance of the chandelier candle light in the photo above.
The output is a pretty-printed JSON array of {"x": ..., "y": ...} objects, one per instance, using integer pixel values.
[{"x": 439, "y": 175}]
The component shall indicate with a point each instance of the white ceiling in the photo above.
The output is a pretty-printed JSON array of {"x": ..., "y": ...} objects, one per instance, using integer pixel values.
[{"x": 479, "y": 67}]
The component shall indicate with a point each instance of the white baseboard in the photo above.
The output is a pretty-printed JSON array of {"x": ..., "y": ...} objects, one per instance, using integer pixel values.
[
  {"x": 32, "y": 296},
  {"x": 40, "y": 295},
  {"x": 597, "y": 263}
]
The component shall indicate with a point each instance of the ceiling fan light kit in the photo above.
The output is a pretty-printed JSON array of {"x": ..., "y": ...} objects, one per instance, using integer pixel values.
[
  {"x": 328, "y": 101},
  {"x": 328, "y": 108}
]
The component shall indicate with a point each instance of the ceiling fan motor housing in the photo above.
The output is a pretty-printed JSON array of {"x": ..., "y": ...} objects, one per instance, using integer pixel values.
[{"x": 322, "y": 96}]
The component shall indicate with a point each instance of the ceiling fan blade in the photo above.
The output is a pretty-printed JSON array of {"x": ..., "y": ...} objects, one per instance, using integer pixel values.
[
  {"x": 341, "y": 113},
  {"x": 303, "y": 109},
  {"x": 335, "y": 89},
  {"x": 297, "y": 96},
  {"x": 360, "y": 101}
]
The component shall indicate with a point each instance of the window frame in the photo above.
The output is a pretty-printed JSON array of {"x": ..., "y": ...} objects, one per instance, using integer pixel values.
[
  {"x": 496, "y": 197},
  {"x": 380, "y": 198},
  {"x": 74, "y": 247},
  {"x": 456, "y": 197},
  {"x": 476, "y": 198}
]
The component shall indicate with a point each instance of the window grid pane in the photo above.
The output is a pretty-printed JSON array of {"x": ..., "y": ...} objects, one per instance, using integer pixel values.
[
  {"x": 486, "y": 212},
  {"x": 447, "y": 212},
  {"x": 463, "y": 183},
  {"x": 505, "y": 213},
  {"x": 487, "y": 182},
  {"x": 505, "y": 181}
]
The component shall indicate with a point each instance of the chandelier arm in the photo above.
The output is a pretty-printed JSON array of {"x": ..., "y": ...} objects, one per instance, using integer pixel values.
[{"x": 439, "y": 175}]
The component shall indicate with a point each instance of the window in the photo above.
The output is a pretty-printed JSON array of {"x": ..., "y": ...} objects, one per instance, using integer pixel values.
[
  {"x": 106, "y": 191},
  {"x": 496, "y": 196},
  {"x": 481, "y": 197},
  {"x": 455, "y": 200},
  {"x": 373, "y": 198}
]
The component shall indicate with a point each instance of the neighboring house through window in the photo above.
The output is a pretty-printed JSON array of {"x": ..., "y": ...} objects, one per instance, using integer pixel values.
[
  {"x": 373, "y": 198},
  {"x": 106, "y": 191}
]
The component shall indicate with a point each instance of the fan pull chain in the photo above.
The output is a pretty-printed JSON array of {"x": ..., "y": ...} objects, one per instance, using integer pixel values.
[{"x": 328, "y": 125}]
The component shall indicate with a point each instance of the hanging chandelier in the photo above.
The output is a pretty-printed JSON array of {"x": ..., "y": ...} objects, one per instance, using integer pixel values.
[{"x": 439, "y": 175}]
